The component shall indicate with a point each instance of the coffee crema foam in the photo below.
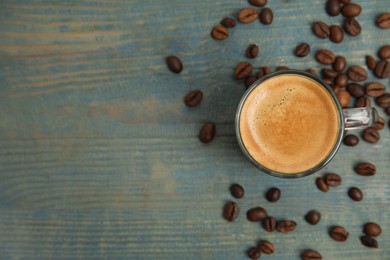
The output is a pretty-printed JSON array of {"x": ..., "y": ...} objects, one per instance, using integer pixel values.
[{"x": 289, "y": 123}]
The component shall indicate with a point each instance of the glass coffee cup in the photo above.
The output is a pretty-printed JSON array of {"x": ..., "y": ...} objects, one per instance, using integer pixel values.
[{"x": 290, "y": 123}]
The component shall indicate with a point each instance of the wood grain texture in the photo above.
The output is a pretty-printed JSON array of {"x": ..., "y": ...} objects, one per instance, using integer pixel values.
[{"x": 99, "y": 157}]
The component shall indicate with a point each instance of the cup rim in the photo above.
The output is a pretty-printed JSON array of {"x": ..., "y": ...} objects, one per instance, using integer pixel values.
[{"x": 331, "y": 154}]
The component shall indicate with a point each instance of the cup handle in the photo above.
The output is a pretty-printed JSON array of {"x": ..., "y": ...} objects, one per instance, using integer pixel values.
[{"x": 357, "y": 118}]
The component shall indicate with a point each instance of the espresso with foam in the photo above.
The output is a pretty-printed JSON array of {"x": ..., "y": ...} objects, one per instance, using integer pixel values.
[{"x": 289, "y": 123}]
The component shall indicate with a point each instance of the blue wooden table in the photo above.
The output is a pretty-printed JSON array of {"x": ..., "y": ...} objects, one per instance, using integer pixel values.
[{"x": 99, "y": 156}]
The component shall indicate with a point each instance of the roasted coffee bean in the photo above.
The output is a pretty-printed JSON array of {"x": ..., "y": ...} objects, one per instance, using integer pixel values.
[
  {"x": 230, "y": 211},
  {"x": 247, "y": 15},
  {"x": 219, "y": 33},
  {"x": 333, "y": 7},
  {"x": 266, "y": 247},
  {"x": 258, "y": 3},
  {"x": 193, "y": 98},
  {"x": 357, "y": 73},
  {"x": 256, "y": 214},
  {"x": 252, "y": 51},
  {"x": 328, "y": 73},
  {"x": 341, "y": 80},
  {"x": 339, "y": 233},
  {"x": 237, "y": 191},
  {"x": 266, "y": 16},
  {"x": 384, "y": 100},
  {"x": 363, "y": 102},
  {"x": 383, "y": 21},
  {"x": 365, "y": 169},
  {"x": 375, "y": 89},
  {"x": 382, "y": 69},
  {"x": 207, "y": 132},
  {"x": 263, "y": 71},
  {"x": 372, "y": 229},
  {"x": 228, "y": 22},
  {"x": 355, "y": 194},
  {"x": 371, "y": 62},
  {"x": 343, "y": 97},
  {"x": 321, "y": 30},
  {"x": 311, "y": 71},
  {"x": 313, "y": 217},
  {"x": 352, "y": 26},
  {"x": 351, "y": 10},
  {"x": 243, "y": 70},
  {"x": 369, "y": 241},
  {"x": 253, "y": 253},
  {"x": 336, "y": 33},
  {"x": 356, "y": 90},
  {"x": 282, "y": 68},
  {"x": 329, "y": 82},
  {"x": 273, "y": 194},
  {"x": 351, "y": 140},
  {"x": 325, "y": 57},
  {"x": 302, "y": 50},
  {"x": 321, "y": 184},
  {"x": 340, "y": 63},
  {"x": 311, "y": 255},
  {"x": 250, "y": 80},
  {"x": 388, "y": 111},
  {"x": 174, "y": 64},
  {"x": 384, "y": 52},
  {"x": 333, "y": 179},
  {"x": 344, "y": 2},
  {"x": 269, "y": 224},
  {"x": 371, "y": 135},
  {"x": 285, "y": 226}
]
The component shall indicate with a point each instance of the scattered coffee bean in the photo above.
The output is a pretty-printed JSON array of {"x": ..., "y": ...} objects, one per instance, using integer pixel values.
[
  {"x": 375, "y": 89},
  {"x": 372, "y": 229},
  {"x": 266, "y": 247},
  {"x": 247, "y": 15},
  {"x": 371, "y": 135},
  {"x": 336, "y": 33},
  {"x": 355, "y": 194},
  {"x": 371, "y": 62},
  {"x": 311, "y": 71},
  {"x": 219, "y": 33},
  {"x": 282, "y": 68},
  {"x": 269, "y": 224},
  {"x": 266, "y": 16},
  {"x": 228, "y": 22},
  {"x": 351, "y": 140},
  {"x": 333, "y": 7},
  {"x": 383, "y": 21},
  {"x": 193, "y": 98},
  {"x": 344, "y": 97},
  {"x": 352, "y": 26},
  {"x": 357, "y": 73},
  {"x": 263, "y": 71},
  {"x": 256, "y": 214},
  {"x": 237, "y": 191},
  {"x": 341, "y": 80},
  {"x": 328, "y": 73},
  {"x": 252, "y": 51},
  {"x": 311, "y": 255},
  {"x": 369, "y": 241},
  {"x": 351, "y": 10},
  {"x": 340, "y": 63},
  {"x": 253, "y": 253},
  {"x": 384, "y": 100},
  {"x": 380, "y": 124},
  {"x": 207, "y": 132},
  {"x": 285, "y": 226},
  {"x": 302, "y": 50},
  {"x": 313, "y": 217},
  {"x": 273, "y": 194},
  {"x": 325, "y": 57},
  {"x": 344, "y": 2},
  {"x": 258, "y": 3},
  {"x": 382, "y": 69},
  {"x": 363, "y": 102},
  {"x": 384, "y": 52},
  {"x": 250, "y": 80},
  {"x": 329, "y": 82},
  {"x": 339, "y": 233},
  {"x": 388, "y": 111},
  {"x": 174, "y": 64},
  {"x": 321, "y": 30},
  {"x": 243, "y": 70},
  {"x": 321, "y": 184},
  {"x": 365, "y": 169},
  {"x": 356, "y": 90},
  {"x": 230, "y": 211},
  {"x": 333, "y": 179}
]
